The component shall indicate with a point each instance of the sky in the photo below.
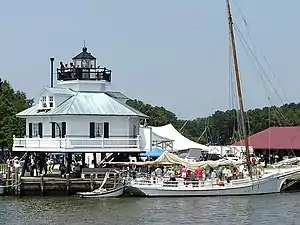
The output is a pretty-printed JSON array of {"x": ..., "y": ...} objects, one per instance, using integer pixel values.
[{"x": 170, "y": 53}]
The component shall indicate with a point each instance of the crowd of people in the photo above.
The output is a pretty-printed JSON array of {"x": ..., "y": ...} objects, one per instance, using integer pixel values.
[
  {"x": 216, "y": 176},
  {"x": 38, "y": 164}
]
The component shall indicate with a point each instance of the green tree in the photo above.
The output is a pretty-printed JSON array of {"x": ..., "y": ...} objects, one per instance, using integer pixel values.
[
  {"x": 11, "y": 102},
  {"x": 222, "y": 127}
]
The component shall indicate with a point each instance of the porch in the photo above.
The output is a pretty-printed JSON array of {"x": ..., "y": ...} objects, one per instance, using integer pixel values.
[{"x": 77, "y": 144}]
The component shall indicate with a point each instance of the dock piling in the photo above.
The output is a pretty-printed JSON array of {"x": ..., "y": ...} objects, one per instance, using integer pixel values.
[
  {"x": 68, "y": 184},
  {"x": 92, "y": 182},
  {"x": 42, "y": 185}
]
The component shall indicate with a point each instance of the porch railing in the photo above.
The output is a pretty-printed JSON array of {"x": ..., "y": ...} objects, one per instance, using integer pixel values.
[{"x": 77, "y": 142}]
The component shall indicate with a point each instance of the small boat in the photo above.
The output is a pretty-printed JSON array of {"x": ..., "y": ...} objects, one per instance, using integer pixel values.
[{"x": 103, "y": 193}]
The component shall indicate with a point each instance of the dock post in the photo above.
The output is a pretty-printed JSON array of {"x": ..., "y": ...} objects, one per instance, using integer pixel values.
[
  {"x": 42, "y": 185},
  {"x": 19, "y": 184},
  {"x": 68, "y": 184},
  {"x": 7, "y": 178},
  {"x": 16, "y": 180},
  {"x": 92, "y": 181}
]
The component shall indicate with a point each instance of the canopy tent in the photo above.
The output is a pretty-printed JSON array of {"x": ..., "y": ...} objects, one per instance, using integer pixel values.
[
  {"x": 148, "y": 138},
  {"x": 169, "y": 159},
  {"x": 180, "y": 142},
  {"x": 155, "y": 152}
]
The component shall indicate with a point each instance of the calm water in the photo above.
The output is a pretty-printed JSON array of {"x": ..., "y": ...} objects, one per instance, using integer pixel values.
[{"x": 269, "y": 209}]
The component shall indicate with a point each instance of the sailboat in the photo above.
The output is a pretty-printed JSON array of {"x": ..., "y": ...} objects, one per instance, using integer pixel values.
[{"x": 250, "y": 185}]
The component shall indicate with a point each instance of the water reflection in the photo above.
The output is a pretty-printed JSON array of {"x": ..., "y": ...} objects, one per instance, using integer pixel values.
[{"x": 269, "y": 209}]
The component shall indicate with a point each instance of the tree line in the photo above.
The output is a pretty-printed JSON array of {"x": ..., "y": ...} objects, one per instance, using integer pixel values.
[{"x": 221, "y": 128}]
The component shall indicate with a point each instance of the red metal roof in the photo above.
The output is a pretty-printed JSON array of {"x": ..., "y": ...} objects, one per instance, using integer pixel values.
[{"x": 275, "y": 138}]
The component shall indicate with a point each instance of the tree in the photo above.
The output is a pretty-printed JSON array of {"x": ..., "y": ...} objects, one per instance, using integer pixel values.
[
  {"x": 11, "y": 102},
  {"x": 222, "y": 127}
]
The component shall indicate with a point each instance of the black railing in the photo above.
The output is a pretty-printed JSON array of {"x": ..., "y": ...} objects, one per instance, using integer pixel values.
[{"x": 84, "y": 74}]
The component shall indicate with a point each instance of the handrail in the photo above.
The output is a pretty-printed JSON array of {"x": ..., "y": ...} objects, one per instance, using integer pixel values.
[
  {"x": 69, "y": 142},
  {"x": 84, "y": 74}
]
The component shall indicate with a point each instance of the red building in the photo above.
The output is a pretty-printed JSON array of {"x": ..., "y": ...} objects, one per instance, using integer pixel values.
[{"x": 283, "y": 139}]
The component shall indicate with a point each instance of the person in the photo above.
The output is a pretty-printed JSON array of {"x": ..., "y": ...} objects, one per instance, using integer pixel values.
[
  {"x": 199, "y": 173},
  {"x": 241, "y": 171},
  {"x": 62, "y": 169},
  {"x": 50, "y": 163},
  {"x": 158, "y": 172},
  {"x": 220, "y": 173},
  {"x": 73, "y": 70},
  {"x": 212, "y": 177},
  {"x": 203, "y": 177},
  {"x": 165, "y": 170},
  {"x": 183, "y": 172},
  {"x": 153, "y": 176},
  {"x": 171, "y": 173},
  {"x": 62, "y": 67}
]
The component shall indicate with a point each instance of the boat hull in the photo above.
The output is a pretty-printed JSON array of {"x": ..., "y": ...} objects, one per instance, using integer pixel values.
[
  {"x": 108, "y": 194},
  {"x": 266, "y": 185}
]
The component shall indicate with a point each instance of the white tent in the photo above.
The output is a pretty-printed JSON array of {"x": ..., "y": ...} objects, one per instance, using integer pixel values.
[
  {"x": 148, "y": 137},
  {"x": 180, "y": 142}
]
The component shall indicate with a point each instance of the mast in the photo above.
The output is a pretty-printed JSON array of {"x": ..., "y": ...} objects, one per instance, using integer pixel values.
[{"x": 239, "y": 89}]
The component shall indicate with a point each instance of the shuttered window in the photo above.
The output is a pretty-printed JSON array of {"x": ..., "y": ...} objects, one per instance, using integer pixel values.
[
  {"x": 40, "y": 130},
  {"x": 106, "y": 130},
  {"x": 30, "y": 130},
  {"x": 92, "y": 130}
]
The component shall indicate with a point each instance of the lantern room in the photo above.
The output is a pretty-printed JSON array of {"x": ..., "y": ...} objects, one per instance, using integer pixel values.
[
  {"x": 84, "y": 59},
  {"x": 83, "y": 73}
]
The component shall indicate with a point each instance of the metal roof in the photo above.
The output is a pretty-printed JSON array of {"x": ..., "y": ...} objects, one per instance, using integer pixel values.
[
  {"x": 118, "y": 95},
  {"x": 84, "y": 55},
  {"x": 84, "y": 103},
  {"x": 282, "y": 138},
  {"x": 62, "y": 91}
]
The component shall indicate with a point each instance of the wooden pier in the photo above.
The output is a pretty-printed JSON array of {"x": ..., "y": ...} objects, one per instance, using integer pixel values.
[{"x": 56, "y": 185}]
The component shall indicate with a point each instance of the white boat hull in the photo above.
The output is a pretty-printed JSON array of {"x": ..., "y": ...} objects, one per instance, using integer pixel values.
[
  {"x": 108, "y": 194},
  {"x": 268, "y": 184}
]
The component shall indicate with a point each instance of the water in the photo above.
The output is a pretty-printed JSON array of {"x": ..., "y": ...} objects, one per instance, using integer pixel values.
[{"x": 267, "y": 209}]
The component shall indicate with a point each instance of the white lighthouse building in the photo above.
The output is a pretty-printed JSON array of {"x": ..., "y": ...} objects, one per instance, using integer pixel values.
[{"x": 80, "y": 114}]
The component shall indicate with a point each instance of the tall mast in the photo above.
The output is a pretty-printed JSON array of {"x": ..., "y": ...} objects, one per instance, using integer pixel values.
[{"x": 239, "y": 89}]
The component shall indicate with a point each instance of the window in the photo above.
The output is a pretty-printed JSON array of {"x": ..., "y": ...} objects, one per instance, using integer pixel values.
[
  {"x": 58, "y": 129},
  {"x": 98, "y": 129},
  {"x": 35, "y": 128},
  {"x": 58, "y": 126},
  {"x": 43, "y": 100},
  {"x": 51, "y": 101}
]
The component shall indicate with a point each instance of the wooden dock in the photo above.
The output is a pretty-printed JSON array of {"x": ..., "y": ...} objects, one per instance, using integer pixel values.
[
  {"x": 59, "y": 186},
  {"x": 55, "y": 185}
]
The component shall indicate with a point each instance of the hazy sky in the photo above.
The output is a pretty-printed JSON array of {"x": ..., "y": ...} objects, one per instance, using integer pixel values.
[{"x": 172, "y": 53}]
